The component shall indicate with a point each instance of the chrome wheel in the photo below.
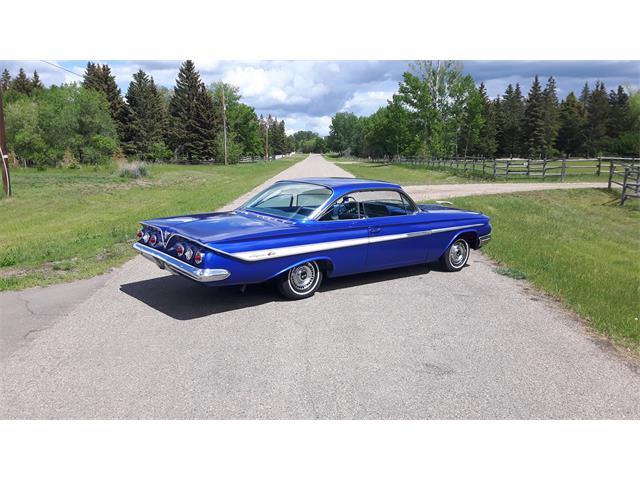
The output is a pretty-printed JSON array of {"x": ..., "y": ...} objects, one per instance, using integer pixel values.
[
  {"x": 303, "y": 277},
  {"x": 459, "y": 253}
]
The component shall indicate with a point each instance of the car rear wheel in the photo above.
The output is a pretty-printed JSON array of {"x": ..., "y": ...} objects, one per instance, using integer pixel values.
[
  {"x": 302, "y": 281},
  {"x": 456, "y": 256}
]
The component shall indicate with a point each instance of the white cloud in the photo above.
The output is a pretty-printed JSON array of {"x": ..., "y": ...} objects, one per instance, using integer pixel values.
[{"x": 366, "y": 102}]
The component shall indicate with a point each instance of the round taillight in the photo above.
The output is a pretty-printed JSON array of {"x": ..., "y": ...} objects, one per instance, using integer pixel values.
[
  {"x": 139, "y": 234},
  {"x": 153, "y": 240},
  {"x": 179, "y": 250},
  {"x": 145, "y": 237},
  {"x": 198, "y": 257},
  {"x": 188, "y": 253}
]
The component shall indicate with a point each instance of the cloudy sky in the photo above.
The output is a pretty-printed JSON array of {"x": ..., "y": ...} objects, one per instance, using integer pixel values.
[{"x": 307, "y": 93}]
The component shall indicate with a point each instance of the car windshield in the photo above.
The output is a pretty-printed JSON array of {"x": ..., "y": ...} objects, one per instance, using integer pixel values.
[{"x": 291, "y": 200}]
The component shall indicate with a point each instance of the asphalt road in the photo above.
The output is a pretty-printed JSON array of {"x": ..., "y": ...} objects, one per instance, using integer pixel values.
[{"x": 403, "y": 344}]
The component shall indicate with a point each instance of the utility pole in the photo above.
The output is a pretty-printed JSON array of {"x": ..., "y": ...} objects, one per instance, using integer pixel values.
[
  {"x": 266, "y": 145},
  {"x": 224, "y": 123},
  {"x": 4, "y": 154}
]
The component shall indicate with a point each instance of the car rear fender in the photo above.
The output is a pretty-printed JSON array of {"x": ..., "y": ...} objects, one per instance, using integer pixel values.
[{"x": 324, "y": 262}]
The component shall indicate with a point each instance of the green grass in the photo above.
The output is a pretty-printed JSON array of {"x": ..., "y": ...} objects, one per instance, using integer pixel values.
[
  {"x": 407, "y": 174},
  {"x": 578, "y": 245},
  {"x": 62, "y": 225}
]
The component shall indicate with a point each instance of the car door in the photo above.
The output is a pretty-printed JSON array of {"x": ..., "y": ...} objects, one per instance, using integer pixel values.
[
  {"x": 398, "y": 231},
  {"x": 343, "y": 224}
]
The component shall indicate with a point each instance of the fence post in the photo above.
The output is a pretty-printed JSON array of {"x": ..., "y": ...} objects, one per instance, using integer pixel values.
[
  {"x": 610, "y": 174},
  {"x": 544, "y": 168},
  {"x": 506, "y": 172},
  {"x": 624, "y": 186},
  {"x": 495, "y": 161},
  {"x": 563, "y": 170},
  {"x": 599, "y": 167},
  {"x": 528, "y": 168},
  {"x": 483, "y": 165}
]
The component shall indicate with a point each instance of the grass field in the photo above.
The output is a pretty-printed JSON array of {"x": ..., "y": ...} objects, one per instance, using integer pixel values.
[
  {"x": 407, "y": 174},
  {"x": 577, "y": 245},
  {"x": 62, "y": 224}
]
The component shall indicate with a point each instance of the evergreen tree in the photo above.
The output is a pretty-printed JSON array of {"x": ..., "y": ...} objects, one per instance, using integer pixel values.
[
  {"x": 585, "y": 94},
  {"x": 596, "y": 121},
  {"x": 487, "y": 143},
  {"x": 148, "y": 121},
  {"x": 194, "y": 119},
  {"x": 534, "y": 121},
  {"x": 512, "y": 113},
  {"x": 620, "y": 114},
  {"x": 35, "y": 81},
  {"x": 551, "y": 121},
  {"x": 98, "y": 77},
  {"x": 22, "y": 83},
  {"x": 5, "y": 80},
  {"x": 571, "y": 135}
]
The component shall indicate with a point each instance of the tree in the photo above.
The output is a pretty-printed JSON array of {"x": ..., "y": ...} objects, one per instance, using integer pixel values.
[
  {"x": 437, "y": 94},
  {"x": 623, "y": 128},
  {"x": 487, "y": 142},
  {"x": 620, "y": 113},
  {"x": 35, "y": 81},
  {"x": 471, "y": 123},
  {"x": 511, "y": 113},
  {"x": 5, "y": 80},
  {"x": 148, "y": 122},
  {"x": 551, "y": 121},
  {"x": 571, "y": 134},
  {"x": 598, "y": 111},
  {"x": 242, "y": 121},
  {"x": 534, "y": 121},
  {"x": 69, "y": 118},
  {"x": 22, "y": 83},
  {"x": 195, "y": 122},
  {"x": 342, "y": 133},
  {"x": 99, "y": 78},
  {"x": 585, "y": 94}
]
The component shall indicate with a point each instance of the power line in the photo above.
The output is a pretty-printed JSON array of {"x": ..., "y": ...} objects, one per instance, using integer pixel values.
[{"x": 62, "y": 68}]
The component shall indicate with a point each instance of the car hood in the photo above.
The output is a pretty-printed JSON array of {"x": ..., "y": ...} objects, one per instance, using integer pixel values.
[{"x": 216, "y": 228}]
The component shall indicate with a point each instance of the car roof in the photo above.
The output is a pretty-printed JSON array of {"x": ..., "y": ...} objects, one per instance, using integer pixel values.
[{"x": 346, "y": 184}]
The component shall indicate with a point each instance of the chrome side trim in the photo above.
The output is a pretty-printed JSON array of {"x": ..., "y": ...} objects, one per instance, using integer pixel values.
[
  {"x": 255, "y": 255},
  {"x": 484, "y": 239},
  {"x": 164, "y": 260}
]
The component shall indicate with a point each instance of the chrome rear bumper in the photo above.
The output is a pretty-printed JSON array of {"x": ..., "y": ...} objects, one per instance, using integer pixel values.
[
  {"x": 484, "y": 239},
  {"x": 179, "y": 267}
]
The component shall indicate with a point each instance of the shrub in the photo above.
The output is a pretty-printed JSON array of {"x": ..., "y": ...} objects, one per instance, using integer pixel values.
[
  {"x": 133, "y": 170},
  {"x": 69, "y": 160}
]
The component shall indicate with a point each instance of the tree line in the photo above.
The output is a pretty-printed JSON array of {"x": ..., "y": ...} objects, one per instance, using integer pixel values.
[
  {"x": 93, "y": 122},
  {"x": 439, "y": 111}
]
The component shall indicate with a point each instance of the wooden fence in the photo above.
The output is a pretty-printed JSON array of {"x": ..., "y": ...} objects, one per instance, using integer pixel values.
[
  {"x": 559, "y": 168},
  {"x": 622, "y": 171}
]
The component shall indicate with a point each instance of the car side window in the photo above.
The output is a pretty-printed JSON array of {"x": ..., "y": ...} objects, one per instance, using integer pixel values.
[
  {"x": 345, "y": 208},
  {"x": 369, "y": 204},
  {"x": 382, "y": 203}
]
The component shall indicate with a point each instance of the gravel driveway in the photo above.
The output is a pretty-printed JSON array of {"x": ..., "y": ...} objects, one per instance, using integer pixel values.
[{"x": 404, "y": 344}]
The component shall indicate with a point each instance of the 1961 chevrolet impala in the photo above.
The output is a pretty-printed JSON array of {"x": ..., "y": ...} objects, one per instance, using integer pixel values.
[{"x": 297, "y": 232}]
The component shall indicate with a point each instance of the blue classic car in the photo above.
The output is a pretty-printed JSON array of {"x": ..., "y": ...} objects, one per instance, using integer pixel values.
[{"x": 297, "y": 232}]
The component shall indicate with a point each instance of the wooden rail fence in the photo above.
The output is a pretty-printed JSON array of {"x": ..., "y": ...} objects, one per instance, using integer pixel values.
[{"x": 622, "y": 171}]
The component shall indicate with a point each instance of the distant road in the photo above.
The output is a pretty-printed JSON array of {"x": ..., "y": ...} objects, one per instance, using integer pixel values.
[{"x": 403, "y": 344}]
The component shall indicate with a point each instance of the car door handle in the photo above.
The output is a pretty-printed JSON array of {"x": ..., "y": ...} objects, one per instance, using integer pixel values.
[{"x": 374, "y": 230}]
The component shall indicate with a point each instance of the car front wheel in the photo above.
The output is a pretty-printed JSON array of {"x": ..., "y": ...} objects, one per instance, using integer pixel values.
[
  {"x": 302, "y": 281},
  {"x": 456, "y": 256}
]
